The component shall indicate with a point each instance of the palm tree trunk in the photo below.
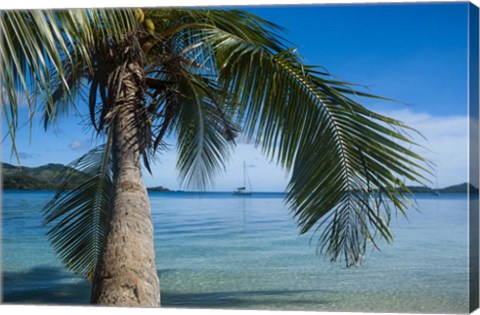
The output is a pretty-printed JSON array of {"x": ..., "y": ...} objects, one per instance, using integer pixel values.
[{"x": 126, "y": 274}]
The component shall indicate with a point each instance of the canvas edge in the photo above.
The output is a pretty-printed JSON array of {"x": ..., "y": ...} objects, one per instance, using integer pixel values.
[{"x": 473, "y": 101}]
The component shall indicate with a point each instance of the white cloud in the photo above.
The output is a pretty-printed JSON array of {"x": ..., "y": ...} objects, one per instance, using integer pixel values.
[
  {"x": 77, "y": 145},
  {"x": 21, "y": 97},
  {"x": 446, "y": 143}
]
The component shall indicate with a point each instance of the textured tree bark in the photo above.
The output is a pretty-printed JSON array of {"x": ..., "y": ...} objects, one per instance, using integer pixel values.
[{"x": 126, "y": 274}]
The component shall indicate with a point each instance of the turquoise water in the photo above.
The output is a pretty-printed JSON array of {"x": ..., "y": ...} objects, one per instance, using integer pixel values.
[{"x": 216, "y": 250}]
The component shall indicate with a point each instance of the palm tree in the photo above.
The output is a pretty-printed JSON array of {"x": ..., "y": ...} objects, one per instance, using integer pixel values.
[{"x": 202, "y": 76}]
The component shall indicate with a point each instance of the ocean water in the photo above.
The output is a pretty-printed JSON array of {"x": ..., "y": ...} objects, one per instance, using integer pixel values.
[{"x": 216, "y": 250}]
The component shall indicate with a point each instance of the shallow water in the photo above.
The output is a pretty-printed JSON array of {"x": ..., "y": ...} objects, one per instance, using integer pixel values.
[{"x": 216, "y": 250}]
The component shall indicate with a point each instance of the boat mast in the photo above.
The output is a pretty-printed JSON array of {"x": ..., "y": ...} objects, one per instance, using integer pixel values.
[{"x": 244, "y": 175}]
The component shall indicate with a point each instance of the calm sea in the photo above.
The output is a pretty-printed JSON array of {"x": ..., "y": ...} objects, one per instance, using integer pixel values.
[{"x": 216, "y": 250}]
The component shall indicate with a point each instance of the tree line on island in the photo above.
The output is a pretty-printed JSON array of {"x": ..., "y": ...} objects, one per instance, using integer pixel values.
[
  {"x": 46, "y": 177},
  {"x": 50, "y": 177}
]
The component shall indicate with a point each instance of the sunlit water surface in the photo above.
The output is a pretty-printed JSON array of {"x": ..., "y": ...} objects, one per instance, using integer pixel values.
[{"x": 216, "y": 250}]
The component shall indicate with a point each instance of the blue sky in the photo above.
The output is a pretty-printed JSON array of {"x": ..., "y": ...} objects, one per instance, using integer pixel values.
[{"x": 415, "y": 53}]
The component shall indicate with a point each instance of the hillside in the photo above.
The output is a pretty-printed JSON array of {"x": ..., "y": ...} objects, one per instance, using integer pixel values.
[
  {"x": 455, "y": 189},
  {"x": 45, "y": 177},
  {"x": 158, "y": 189}
]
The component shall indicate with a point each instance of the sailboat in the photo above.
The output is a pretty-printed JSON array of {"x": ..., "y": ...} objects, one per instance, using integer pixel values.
[{"x": 243, "y": 191}]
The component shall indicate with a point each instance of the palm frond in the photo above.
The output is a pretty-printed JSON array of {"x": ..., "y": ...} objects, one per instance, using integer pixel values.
[
  {"x": 65, "y": 101},
  {"x": 35, "y": 46},
  {"x": 248, "y": 27},
  {"x": 204, "y": 135},
  {"x": 345, "y": 160},
  {"x": 78, "y": 213},
  {"x": 339, "y": 152}
]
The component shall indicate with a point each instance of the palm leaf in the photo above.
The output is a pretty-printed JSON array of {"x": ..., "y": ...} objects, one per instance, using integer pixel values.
[
  {"x": 339, "y": 152},
  {"x": 343, "y": 159},
  {"x": 35, "y": 46},
  {"x": 78, "y": 213},
  {"x": 65, "y": 101},
  {"x": 204, "y": 136}
]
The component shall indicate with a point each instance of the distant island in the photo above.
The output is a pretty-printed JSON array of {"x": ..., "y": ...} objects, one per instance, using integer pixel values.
[
  {"x": 455, "y": 189},
  {"x": 158, "y": 188},
  {"x": 49, "y": 177},
  {"x": 45, "y": 177}
]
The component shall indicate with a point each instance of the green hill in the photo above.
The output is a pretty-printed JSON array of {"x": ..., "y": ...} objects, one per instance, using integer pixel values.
[
  {"x": 158, "y": 188},
  {"x": 45, "y": 177},
  {"x": 455, "y": 189},
  {"x": 458, "y": 189}
]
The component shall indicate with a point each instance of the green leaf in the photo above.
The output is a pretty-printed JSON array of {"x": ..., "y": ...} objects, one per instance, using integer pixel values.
[
  {"x": 78, "y": 213},
  {"x": 203, "y": 136},
  {"x": 37, "y": 45}
]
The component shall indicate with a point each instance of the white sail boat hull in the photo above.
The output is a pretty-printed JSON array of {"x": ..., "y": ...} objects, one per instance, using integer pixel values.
[{"x": 242, "y": 191}]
